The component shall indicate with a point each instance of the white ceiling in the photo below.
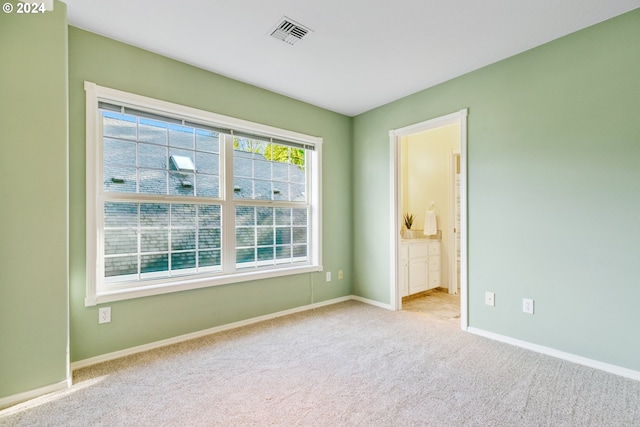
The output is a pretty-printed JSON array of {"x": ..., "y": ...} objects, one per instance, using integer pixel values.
[{"x": 361, "y": 54}]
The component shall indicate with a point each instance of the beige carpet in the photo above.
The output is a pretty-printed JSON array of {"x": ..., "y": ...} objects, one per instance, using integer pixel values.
[{"x": 350, "y": 364}]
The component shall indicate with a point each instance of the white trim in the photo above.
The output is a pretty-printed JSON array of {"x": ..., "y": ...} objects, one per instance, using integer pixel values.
[
  {"x": 452, "y": 237},
  {"x": 186, "y": 337},
  {"x": 464, "y": 284},
  {"x": 372, "y": 302},
  {"x": 32, "y": 394},
  {"x": 163, "y": 107},
  {"x": 98, "y": 294},
  {"x": 197, "y": 283},
  {"x": 395, "y": 135},
  {"x": 395, "y": 300},
  {"x": 591, "y": 363}
]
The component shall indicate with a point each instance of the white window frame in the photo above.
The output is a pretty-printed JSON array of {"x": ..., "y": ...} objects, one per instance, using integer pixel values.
[{"x": 95, "y": 289}]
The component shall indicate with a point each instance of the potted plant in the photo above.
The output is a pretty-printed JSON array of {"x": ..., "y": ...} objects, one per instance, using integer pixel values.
[{"x": 408, "y": 222}]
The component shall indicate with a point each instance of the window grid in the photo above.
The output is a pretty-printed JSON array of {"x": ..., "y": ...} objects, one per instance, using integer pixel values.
[
  {"x": 268, "y": 171},
  {"x": 122, "y": 133},
  {"x": 150, "y": 158},
  {"x": 172, "y": 251},
  {"x": 135, "y": 163},
  {"x": 287, "y": 242}
]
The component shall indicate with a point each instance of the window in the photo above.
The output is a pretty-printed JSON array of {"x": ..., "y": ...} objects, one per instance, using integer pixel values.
[{"x": 179, "y": 198}]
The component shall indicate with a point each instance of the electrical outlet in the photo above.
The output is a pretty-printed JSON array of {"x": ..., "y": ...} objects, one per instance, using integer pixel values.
[
  {"x": 490, "y": 299},
  {"x": 328, "y": 276},
  {"x": 340, "y": 275},
  {"x": 104, "y": 315},
  {"x": 527, "y": 305}
]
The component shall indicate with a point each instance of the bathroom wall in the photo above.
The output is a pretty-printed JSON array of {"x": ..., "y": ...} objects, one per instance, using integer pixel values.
[{"x": 426, "y": 176}]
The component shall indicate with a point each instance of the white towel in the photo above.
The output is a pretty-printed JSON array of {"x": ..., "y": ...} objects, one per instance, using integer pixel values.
[{"x": 430, "y": 223}]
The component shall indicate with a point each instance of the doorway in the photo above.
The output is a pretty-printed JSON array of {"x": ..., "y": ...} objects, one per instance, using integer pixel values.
[{"x": 396, "y": 203}]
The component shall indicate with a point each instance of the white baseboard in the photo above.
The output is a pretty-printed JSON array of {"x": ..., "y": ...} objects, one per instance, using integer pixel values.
[
  {"x": 372, "y": 302},
  {"x": 613, "y": 369},
  {"x": 31, "y": 394},
  {"x": 186, "y": 337}
]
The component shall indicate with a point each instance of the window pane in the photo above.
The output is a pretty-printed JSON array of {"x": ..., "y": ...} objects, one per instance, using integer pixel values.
[
  {"x": 242, "y": 147},
  {"x": 299, "y": 235},
  {"x": 283, "y": 235},
  {"x": 264, "y": 216},
  {"x": 297, "y": 192},
  {"x": 297, "y": 174},
  {"x": 119, "y": 125},
  {"x": 280, "y": 172},
  {"x": 265, "y": 236},
  {"x": 207, "y": 141},
  {"x": 262, "y": 190},
  {"x": 245, "y": 236},
  {"x": 207, "y": 186},
  {"x": 243, "y": 167},
  {"x": 209, "y": 216},
  {"x": 209, "y": 258},
  {"x": 120, "y": 242},
  {"x": 281, "y": 191},
  {"x": 152, "y": 156},
  {"x": 139, "y": 159},
  {"x": 153, "y": 181},
  {"x": 119, "y": 179},
  {"x": 152, "y": 131},
  {"x": 299, "y": 251},
  {"x": 119, "y": 152},
  {"x": 265, "y": 254},
  {"x": 245, "y": 215},
  {"x": 183, "y": 239},
  {"x": 283, "y": 216},
  {"x": 299, "y": 216},
  {"x": 120, "y": 266},
  {"x": 154, "y": 214},
  {"x": 207, "y": 163},
  {"x": 183, "y": 215},
  {"x": 209, "y": 238},
  {"x": 258, "y": 164},
  {"x": 181, "y": 136},
  {"x": 118, "y": 214},
  {"x": 245, "y": 256},
  {"x": 154, "y": 240},
  {"x": 154, "y": 263},
  {"x": 182, "y": 260},
  {"x": 242, "y": 188},
  {"x": 283, "y": 252},
  {"x": 263, "y": 169},
  {"x": 181, "y": 184}
]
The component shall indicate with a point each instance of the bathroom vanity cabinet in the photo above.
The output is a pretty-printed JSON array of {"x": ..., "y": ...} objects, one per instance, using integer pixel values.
[{"x": 419, "y": 265}]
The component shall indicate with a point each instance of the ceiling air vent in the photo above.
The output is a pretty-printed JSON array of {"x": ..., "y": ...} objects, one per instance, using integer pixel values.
[{"x": 289, "y": 31}]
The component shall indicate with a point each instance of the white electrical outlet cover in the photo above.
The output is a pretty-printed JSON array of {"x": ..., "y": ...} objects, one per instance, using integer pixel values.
[
  {"x": 527, "y": 305},
  {"x": 104, "y": 315},
  {"x": 490, "y": 299}
]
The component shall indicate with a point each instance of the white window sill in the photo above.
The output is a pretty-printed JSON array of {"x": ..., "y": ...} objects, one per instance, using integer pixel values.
[{"x": 198, "y": 283}]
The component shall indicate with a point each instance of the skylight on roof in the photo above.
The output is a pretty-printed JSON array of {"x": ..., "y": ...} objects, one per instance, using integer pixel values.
[{"x": 183, "y": 163}]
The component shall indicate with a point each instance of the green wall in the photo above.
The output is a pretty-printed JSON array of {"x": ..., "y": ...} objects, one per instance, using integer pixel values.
[
  {"x": 553, "y": 191},
  {"x": 33, "y": 201},
  {"x": 140, "y": 321}
]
